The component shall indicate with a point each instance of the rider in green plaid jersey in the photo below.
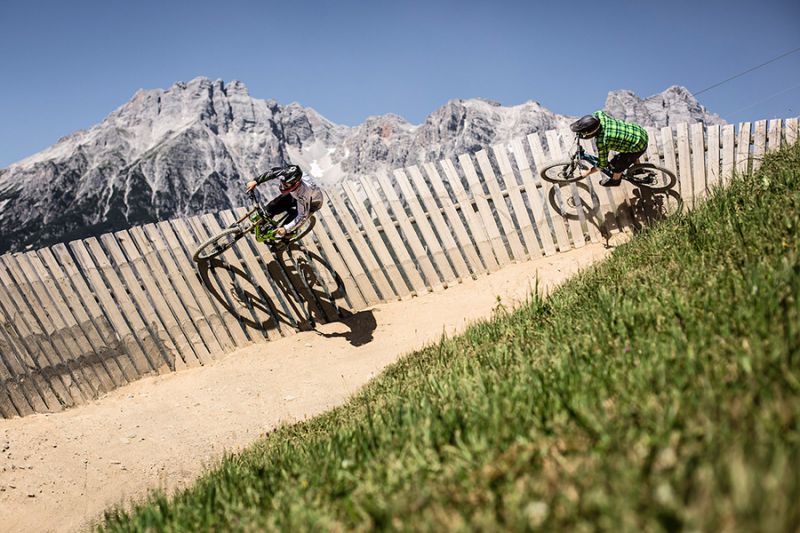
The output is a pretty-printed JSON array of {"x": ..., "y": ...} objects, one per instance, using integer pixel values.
[{"x": 628, "y": 139}]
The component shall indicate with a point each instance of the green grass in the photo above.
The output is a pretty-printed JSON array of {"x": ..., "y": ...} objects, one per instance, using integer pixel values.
[{"x": 658, "y": 390}]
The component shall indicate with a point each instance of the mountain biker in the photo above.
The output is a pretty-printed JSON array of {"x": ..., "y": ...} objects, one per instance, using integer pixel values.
[
  {"x": 299, "y": 197},
  {"x": 628, "y": 139}
]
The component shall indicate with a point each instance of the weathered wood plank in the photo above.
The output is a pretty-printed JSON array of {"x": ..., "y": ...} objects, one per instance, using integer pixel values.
[
  {"x": 574, "y": 223},
  {"x": 713, "y": 156},
  {"x": 685, "y": 179},
  {"x": 474, "y": 220},
  {"x": 355, "y": 300},
  {"x": 345, "y": 247},
  {"x": 728, "y": 153},
  {"x": 451, "y": 218},
  {"x": 362, "y": 249},
  {"x": 584, "y": 192},
  {"x": 558, "y": 222},
  {"x": 407, "y": 264},
  {"x": 410, "y": 235},
  {"x": 697, "y": 133},
  {"x": 529, "y": 182},
  {"x": 197, "y": 297},
  {"x": 760, "y": 144},
  {"x": 74, "y": 349},
  {"x": 479, "y": 197},
  {"x": 774, "y": 135},
  {"x": 36, "y": 339},
  {"x": 326, "y": 282},
  {"x": 152, "y": 345},
  {"x": 62, "y": 350},
  {"x": 792, "y": 131},
  {"x": 743, "y": 156},
  {"x": 106, "y": 339},
  {"x": 445, "y": 233},
  {"x": 500, "y": 206},
  {"x": 265, "y": 273},
  {"x": 427, "y": 234},
  {"x": 377, "y": 244},
  {"x": 519, "y": 210},
  {"x": 615, "y": 208},
  {"x": 130, "y": 335},
  {"x": 195, "y": 235},
  {"x": 23, "y": 388},
  {"x": 75, "y": 319},
  {"x": 150, "y": 298}
]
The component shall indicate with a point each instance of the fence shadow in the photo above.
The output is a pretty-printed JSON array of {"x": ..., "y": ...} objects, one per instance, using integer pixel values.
[{"x": 306, "y": 289}]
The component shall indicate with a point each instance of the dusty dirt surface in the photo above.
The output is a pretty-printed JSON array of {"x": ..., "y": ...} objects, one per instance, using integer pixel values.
[{"x": 59, "y": 472}]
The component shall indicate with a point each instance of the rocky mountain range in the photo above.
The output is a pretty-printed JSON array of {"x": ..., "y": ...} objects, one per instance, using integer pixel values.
[{"x": 190, "y": 149}]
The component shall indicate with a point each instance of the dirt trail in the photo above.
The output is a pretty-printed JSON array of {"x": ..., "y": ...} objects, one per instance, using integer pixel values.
[{"x": 58, "y": 472}]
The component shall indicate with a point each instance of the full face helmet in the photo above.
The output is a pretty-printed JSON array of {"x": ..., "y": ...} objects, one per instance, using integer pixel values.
[
  {"x": 586, "y": 127},
  {"x": 290, "y": 179}
]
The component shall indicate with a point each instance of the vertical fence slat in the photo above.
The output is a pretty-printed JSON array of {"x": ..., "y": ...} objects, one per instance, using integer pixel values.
[
  {"x": 507, "y": 225},
  {"x": 12, "y": 400},
  {"x": 251, "y": 251},
  {"x": 256, "y": 325},
  {"x": 21, "y": 391},
  {"x": 713, "y": 156},
  {"x": 221, "y": 299},
  {"x": 617, "y": 208},
  {"x": 791, "y": 131},
  {"x": 484, "y": 209},
  {"x": 37, "y": 344},
  {"x": 445, "y": 233},
  {"x": 534, "y": 198},
  {"x": 75, "y": 318},
  {"x": 345, "y": 247},
  {"x": 698, "y": 160},
  {"x": 179, "y": 243},
  {"x": 364, "y": 250},
  {"x": 61, "y": 350},
  {"x": 760, "y": 144},
  {"x": 376, "y": 243},
  {"x": 150, "y": 342},
  {"x": 520, "y": 212},
  {"x": 743, "y": 157},
  {"x": 333, "y": 286},
  {"x": 407, "y": 264},
  {"x": 109, "y": 341},
  {"x": 76, "y": 353},
  {"x": 728, "y": 153},
  {"x": 20, "y": 362},
  {"x": 774, "y": 135},
  {"x": 138, "y": 364},
  {"x": 453, "y": 220},
  {"x": 152, "y": 241},
  {"x": 156, "y": 309},
  {"x": 428, "y": 236},
  {"x": 558, "y": 221},
  {"x": 575, "y": 223},
  {"x": 407, "y": 228},
  {"x": 473, "y": 219},
  {"x": 685, "y": 179}
]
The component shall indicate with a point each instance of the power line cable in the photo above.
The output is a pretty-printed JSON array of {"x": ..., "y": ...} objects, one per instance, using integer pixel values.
[
  {"x": 748, "y": 70},
  {"x": 770, "y": 97}
]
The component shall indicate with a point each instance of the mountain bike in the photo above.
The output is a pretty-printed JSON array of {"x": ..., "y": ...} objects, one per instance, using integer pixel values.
[
  {"x": 645, "y": 175},
  {"x": 260, "y": 224}
]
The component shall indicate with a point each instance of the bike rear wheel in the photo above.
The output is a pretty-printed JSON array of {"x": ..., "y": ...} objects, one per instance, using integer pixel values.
[
  {"x": 564, "y": 171},
  {"x": 301, "y": 231},
  {"x": 650, "y": 176},
  {"x": 218, "y": 244}
]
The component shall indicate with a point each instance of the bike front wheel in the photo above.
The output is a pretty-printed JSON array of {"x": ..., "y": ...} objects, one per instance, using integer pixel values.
[
  {"x": 218, "y": 244},
  {"x": 564, "y": 171},
  {"x": 298, "y": 233},
  {"x": 650, "y": 176}
]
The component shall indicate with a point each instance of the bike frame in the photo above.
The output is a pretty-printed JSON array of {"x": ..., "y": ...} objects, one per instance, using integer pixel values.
[{"x": 257, "y": 215}]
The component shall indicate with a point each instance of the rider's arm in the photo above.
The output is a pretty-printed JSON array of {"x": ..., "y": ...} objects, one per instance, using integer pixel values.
[{"x": 266, "y": 176}]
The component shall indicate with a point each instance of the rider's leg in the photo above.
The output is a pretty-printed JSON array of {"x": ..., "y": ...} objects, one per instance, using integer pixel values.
[
  {"x": 284, "y": 203},
  {"x": 619, "y": 164}
]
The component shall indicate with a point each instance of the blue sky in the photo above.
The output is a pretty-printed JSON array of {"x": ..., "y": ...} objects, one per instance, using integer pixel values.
[{"x": 65, "y": 65}]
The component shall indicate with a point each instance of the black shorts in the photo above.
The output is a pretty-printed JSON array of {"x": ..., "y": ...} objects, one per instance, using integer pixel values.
[
  {"x": 620, "y": 162},
  {"x": 286, "y": 203}
]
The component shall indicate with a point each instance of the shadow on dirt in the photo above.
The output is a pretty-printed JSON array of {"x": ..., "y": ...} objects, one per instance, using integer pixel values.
[{"x": 292, "y": 287}]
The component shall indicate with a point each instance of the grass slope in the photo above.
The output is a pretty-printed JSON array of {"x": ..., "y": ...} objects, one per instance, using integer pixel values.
[{"x": 658, "y": 390}]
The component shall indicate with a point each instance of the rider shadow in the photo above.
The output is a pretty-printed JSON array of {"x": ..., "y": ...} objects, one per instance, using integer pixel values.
[
  {"x": 646, "y": 206},
  {"x": 306, "y": 289}
]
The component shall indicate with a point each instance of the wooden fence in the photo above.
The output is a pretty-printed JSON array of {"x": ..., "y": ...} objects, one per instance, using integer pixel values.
[{"x": 80, "y": 319}]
